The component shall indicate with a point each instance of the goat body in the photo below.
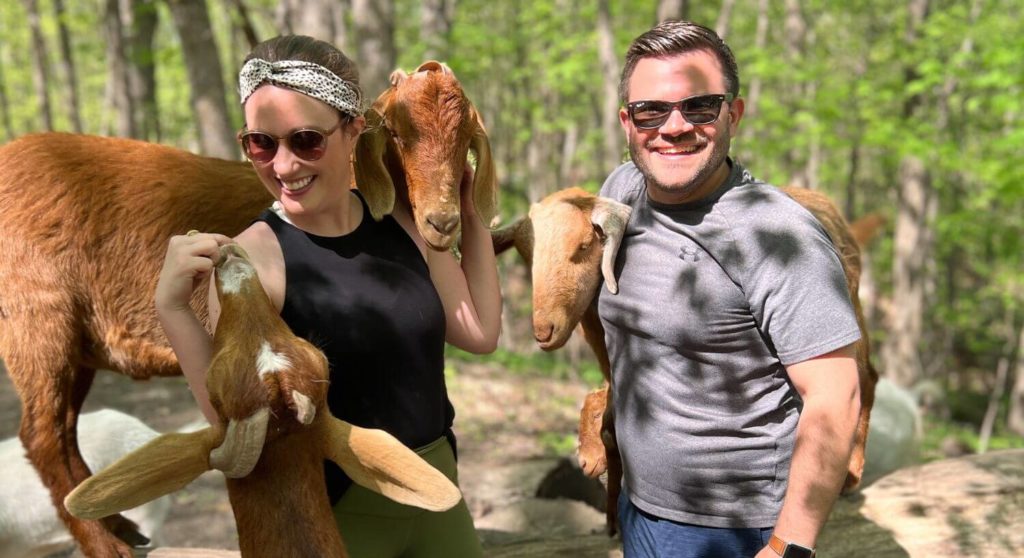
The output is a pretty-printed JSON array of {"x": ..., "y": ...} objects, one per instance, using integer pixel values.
[
  {"x": 269, "y": 389},
  {"x": 85, "y": 228},
  {"x": 559, "y": 239}
]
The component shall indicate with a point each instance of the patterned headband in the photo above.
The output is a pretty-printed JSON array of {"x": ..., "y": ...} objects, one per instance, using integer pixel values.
[{"x": 307, "y": 78}]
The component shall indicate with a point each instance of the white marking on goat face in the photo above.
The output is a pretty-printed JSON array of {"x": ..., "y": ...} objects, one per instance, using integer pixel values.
[
  {"x": 268, "y": 362},
  {"x": 232, "y": 277}
]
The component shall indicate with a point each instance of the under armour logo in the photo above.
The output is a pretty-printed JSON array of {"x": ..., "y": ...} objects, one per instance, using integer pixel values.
[{"x": 689, "y": 252}]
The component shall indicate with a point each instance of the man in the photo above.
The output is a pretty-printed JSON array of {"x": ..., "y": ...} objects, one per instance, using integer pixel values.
[{"x": 736, "y": 393}]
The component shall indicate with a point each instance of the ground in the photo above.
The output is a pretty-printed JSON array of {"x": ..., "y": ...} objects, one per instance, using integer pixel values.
[{"x": 510, "y": 427}]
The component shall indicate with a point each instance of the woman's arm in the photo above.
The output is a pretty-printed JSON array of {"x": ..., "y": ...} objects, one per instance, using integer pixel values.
[
  {"x": 190, "y": 259},
  {"x": 469, "y": 289}
]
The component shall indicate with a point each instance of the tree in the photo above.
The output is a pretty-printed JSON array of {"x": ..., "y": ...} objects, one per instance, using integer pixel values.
[
  {"x": 68, "y": 64},
  {"x": 208, "y": 95},
  {"x": 672, "y": 9},
  {"x": 118, "y": 90},
  {"x": 611, "y": 132},
  {"x": 41, "y": 70},
  {"x": 435, "y": 27},
  {"x": 375, "y": 43},
  {"x": 142, "y": 20},
  {"x": 916, "y": 210}
]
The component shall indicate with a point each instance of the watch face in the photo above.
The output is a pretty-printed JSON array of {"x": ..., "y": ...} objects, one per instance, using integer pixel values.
[{"x": 797, "y": 551}]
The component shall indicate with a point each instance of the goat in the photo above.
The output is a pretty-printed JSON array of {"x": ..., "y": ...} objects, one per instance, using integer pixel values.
[
  {"x": 81, "y": 211},
  {"x": 269, "y": 389},
  {"x": 558, "y": 238},
  {"x": 29, "y": 525},
  {"x": 398, "y": 156}
]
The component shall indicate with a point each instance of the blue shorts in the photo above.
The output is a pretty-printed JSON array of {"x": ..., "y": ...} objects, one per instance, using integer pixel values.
[{"x": 647, "y": 536}]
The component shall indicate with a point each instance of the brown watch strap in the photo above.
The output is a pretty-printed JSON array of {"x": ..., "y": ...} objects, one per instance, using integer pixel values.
[{"x": 779, "y": 545}]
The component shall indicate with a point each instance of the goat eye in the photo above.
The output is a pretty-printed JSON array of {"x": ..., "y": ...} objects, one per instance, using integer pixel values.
[{"x": 584, "y": 247}]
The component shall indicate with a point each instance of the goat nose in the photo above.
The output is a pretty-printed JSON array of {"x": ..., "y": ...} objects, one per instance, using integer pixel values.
[
  {"x": 542, "y": 332},
  {"x": 444, "y": 223}
]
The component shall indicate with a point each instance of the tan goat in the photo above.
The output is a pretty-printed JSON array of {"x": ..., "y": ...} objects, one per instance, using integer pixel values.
[
  {"x": 269, "y": 389},
  {"x": 85, "y": 227},
  {"x": 557, "y": 239}
]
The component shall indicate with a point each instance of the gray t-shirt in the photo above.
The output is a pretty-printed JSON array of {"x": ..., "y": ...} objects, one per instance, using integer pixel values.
[{"x": 715, "y": 299}]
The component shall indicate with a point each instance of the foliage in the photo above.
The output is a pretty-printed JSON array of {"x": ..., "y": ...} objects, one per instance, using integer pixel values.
[{"x": 840, "y": 105}]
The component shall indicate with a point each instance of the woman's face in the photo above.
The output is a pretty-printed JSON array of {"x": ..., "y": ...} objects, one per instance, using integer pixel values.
[{"x": 303, "y": 187}]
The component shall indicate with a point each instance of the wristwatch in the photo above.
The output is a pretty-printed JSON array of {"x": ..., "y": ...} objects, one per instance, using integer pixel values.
[{"x": 788, "y": 549}]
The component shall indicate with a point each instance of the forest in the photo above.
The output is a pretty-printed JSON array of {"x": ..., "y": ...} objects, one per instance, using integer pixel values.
[{"x": 910, "y": 111}]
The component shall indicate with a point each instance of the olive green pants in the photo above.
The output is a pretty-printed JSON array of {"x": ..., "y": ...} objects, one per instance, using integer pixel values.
[{"x": 372, "y": 526}]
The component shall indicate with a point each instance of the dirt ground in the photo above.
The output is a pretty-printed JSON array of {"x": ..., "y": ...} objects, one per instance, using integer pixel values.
[{"x": 501, "y": 420}]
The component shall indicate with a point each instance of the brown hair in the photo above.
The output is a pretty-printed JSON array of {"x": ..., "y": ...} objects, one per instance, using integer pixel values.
[{"x": 679, "y": 37}]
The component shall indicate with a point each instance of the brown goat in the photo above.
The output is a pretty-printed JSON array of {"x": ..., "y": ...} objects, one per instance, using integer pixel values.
[
  {"x": 554, "y": 238},
  {"x": 85, "y": 227},
  {"x": 269, "y": 389},
  {"x": 399, "y": 156}
]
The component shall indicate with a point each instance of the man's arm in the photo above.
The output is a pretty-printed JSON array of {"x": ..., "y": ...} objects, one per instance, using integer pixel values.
[{"x": 830, "y": 390}]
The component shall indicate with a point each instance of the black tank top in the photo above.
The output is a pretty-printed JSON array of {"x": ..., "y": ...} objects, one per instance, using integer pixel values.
[{"x": 367, "y": 301}]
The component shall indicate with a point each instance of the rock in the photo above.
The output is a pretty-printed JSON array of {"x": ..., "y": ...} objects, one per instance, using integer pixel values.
[
  {"x": 567, "y": 481},
  {"x": 965, "y": 507}
]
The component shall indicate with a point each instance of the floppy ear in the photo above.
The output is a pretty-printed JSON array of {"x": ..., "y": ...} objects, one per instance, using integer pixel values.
[
  {"x": 485, "y": 183},
  {"x": 611, "y": 217},
  {"x": 164, "y": 465},
  {"x": 372, "y": 177},
  {"x": 376, "y": 460}
]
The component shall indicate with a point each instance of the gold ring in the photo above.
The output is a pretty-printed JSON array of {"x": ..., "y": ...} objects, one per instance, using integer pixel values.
[{"x": 192, "y": 232}]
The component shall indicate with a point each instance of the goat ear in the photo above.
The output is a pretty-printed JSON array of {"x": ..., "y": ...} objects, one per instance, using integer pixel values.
[
  {"x": 397, "y": 77},
  {"x": 372, "y": 177},
  {"x": 164, "y": 465},
  {"x": 434, "y": 66},
  {"x": 376, "y": 460},
  {"x": 611, "y": 217},
  {"x": 485, "y": 182},
  {"x": 518, "y": 234}
]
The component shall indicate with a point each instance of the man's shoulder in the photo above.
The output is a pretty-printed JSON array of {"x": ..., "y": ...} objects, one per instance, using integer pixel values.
[
  {"x": 624, "y": 184},
  {"x": 761, "y": 204}
]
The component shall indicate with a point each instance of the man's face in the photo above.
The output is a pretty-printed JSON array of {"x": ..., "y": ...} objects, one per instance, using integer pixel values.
[{"x": 681, "y": 161}]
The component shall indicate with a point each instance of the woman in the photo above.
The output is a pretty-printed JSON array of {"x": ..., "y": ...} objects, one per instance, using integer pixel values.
[{"x": 369, "y": 294}]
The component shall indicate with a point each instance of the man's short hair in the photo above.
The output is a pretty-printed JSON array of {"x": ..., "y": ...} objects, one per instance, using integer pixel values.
[{"x": 670, "y": 38}]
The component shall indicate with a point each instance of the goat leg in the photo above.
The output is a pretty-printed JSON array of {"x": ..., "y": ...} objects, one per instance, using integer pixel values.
[{"x": 591, "y": 454}]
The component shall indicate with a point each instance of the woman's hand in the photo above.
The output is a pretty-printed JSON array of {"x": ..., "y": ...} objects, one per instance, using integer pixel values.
[
  {"x": 467, "y": 206},
  {"x": 190, "y": 258}
]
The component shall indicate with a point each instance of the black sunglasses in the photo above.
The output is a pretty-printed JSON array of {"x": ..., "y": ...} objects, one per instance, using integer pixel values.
[
  {"x": 698, "y": 110},
  {"x": 306, "y": 143}
]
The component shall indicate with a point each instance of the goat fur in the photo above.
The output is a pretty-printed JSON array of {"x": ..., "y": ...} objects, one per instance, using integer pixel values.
[
  {"x": 280, "y": 501},
  {"x": 566, "y": 279},
  {"x": 85, "y": 229},
  {"x": 418, "y": 134}
]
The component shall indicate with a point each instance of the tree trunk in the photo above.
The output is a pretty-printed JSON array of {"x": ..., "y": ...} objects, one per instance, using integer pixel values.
[
  {"x": 118, "y": 96},
  {"x": 314, "y": 18},
  {"x": 912, "y": 244},
  {"x": 995, "y": 398},
  {"x": 142, "y": 68},
  {"x": 216, "y": 137},
  {"x": 753, "y": 95},
  {"x": 672, "y": 9},
  {"x": 435, "y": 27},
  {"x": 610, "y": 128},
  {"x": 5, "y": 106},
  {"x": 68, "y": 65},
  {"x": 725, "y": 17},
  {"x": 243, "y": 24},
  {"x": 1015, "y": 418},
  {"x": 40, "y": 69},
  {"x": 375, "y": 44}
]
